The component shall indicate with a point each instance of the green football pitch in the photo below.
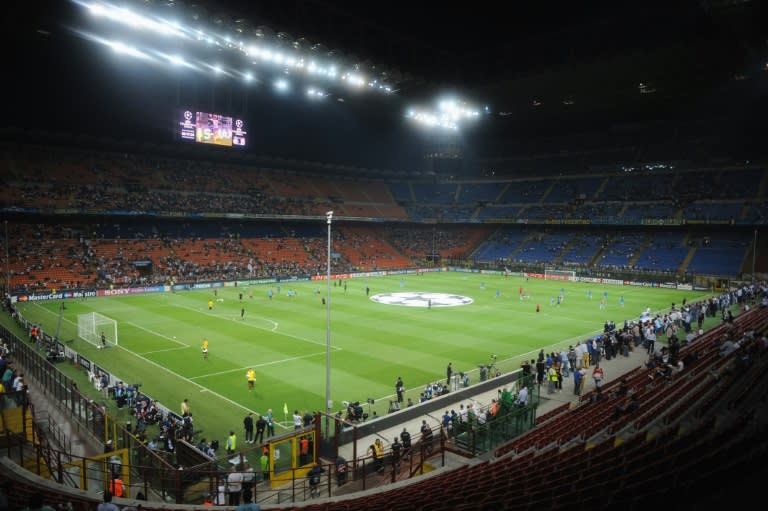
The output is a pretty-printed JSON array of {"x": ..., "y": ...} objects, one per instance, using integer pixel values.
[{"x": 374, "y": 339}]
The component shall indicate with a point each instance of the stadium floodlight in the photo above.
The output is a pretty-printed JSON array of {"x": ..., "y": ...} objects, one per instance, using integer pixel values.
[
  {"x": 124, "y": 49},
  {"x": 97, "y": 10},
  {"x": 449, "y": 114},
  {"x": 279, "y": 49},
  {"x": 176, "y": 60},
  {"x": 281, "y": 85},
  {"x": 7, "y": 259},
  {"x": 316, "y": 93}
]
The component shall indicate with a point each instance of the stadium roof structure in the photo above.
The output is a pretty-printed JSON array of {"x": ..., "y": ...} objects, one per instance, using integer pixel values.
[
  {"x": 527, "y": 57},
  {"x": 531, "y": 68}
]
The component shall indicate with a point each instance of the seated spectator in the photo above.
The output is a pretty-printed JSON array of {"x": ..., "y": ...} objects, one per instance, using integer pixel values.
[
  {"x": 728, "y": 347},
  {"x": 36, "y": 503},
  {"x": 630, "y": 406}
]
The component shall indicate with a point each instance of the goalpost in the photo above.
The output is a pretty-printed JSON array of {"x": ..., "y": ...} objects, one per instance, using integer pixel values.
[
  {"x": 569, "y": 275},
  {"x": 91, "y": 326}
]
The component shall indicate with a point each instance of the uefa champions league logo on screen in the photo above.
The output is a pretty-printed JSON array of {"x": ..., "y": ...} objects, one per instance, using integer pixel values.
[
  {"x": 187, "y": 115},
  {"x": 239, "y": 124}
]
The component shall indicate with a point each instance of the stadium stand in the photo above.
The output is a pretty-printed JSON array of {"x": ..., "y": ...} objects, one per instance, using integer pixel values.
[
  {"x": 571, "y": 177},
  {"x": 701, "y": 428}
]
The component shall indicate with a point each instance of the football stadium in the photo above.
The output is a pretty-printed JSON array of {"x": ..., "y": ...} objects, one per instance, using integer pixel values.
[{"x": 329, "y": 256}]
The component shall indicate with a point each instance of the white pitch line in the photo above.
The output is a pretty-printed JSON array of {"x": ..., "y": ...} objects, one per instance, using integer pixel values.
[
  {"x": 289, "y": 336},
  {"x": 273, "y": 362},
  {"x": 174, "y": 373},
  {"x": 163, "y": 351},
  {"x": 274, "y": 323},
  {"x": 157, "y": 334},
  {"x": 535, "y": 352}
]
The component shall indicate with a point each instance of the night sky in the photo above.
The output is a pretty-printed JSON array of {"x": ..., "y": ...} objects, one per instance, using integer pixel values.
[{"x": 705, "y": 59}]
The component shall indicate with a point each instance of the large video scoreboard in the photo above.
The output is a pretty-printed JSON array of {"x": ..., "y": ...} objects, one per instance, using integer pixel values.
[{"x": 211, "y": 128}]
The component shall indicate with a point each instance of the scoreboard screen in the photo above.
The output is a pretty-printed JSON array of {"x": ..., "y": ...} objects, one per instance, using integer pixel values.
[{"x": 212, "y": 128}]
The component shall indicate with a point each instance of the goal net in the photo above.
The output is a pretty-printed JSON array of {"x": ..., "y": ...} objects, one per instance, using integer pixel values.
[
  {"x": 560, "y": 275},
  {"x": 91, "y": 327}
]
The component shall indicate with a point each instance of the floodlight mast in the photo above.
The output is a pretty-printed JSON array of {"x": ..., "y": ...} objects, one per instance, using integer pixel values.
[
  {"x": 328, "y": 404},
  {"x": 8, "y": 263}
]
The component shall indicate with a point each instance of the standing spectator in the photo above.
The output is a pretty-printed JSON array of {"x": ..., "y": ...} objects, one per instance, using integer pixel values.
[
  {"x": 234, "y": 486},
  {"x": 248, "y": 504},
  {"x": 248, "y": 425},
  {"x": 522, "y": 396},
  {"x": 106, "y": 505},
  {"x": 448, "y": 374},
  {"x": 314, "y": 480},
  {"x": 564, "y": 365},
  {"x": 104, "y": 384},
  {"x": 551, "y": 380},
  {"x": 571, "y": 359},
  {"x": 185, "y": 410},
  {"x": 378, "y": 458},
  {"x": 541, "y": 370},
  {"x": 578, "y": 374},
  {"x": 405, "y": 438},
  {"x": 426, "y": 436},
  {"x": 598, "y": 374},
  {"x": 397, "y": 450},
  {"x": 297, "y": 420},
  {"x": 270, "y": 423},
  {"x": 264, "y": 462},
  {"x": 341, "y": 471},
  {"x": 261, "y": 425},
  {"x": 303, "y": 449},
  {"x": 249, "y": 479},
  {"x": 447, "y": 423},
  {"x": 221, "y": 494},
  {"x": 231, "y": 443},
  {"x": 116, "y": 486},
  {"x": 399, "y": 389}
]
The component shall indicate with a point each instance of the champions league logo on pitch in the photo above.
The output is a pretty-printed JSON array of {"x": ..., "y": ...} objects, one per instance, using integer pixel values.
[{"x": 422, "y": 299}]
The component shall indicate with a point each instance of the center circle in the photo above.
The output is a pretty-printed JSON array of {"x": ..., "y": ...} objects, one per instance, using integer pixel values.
[{"x": 422, "y": 299}]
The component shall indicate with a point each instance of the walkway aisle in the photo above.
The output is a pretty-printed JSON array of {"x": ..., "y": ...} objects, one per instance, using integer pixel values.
[
  {"x": 614, "y": 368},
  {"x": 49, "y": 412}
]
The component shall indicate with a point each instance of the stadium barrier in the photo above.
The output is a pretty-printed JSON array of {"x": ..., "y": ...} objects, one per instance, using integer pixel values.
[
  {"x": 156, "y": 473},
  {"x": 343, "y": 432}
]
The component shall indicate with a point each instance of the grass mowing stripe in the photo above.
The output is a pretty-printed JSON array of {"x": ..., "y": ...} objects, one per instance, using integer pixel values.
[
  {"x": 274, "y": 324},
  {"x": 177, "y": 375},
  {"x": 373, "y": 342},
  {"x": 163, "y": 351},
  {"x": 172, "y": 339},
  {"x": 264, "y": 364},
  {"x": 274, "y": 329}
]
